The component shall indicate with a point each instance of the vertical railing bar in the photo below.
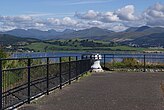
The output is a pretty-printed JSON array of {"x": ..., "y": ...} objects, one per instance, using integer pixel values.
[
  {"x": 80, "y": 65},
  {"x": 29, "y": 79},
  {"x": 1, "y": 84},
  {"x": 144, "y": 63},
  {"x": 47, "y": 75},
  {"x": 76, "y": 67},
  {"x": 90, "y": 61},
  {"x": 82, "y": 57},
  {"x": 69, "y": 70},
  {"x": 113, "y": 61},
  {"x": 104, "y": 60},
  {"x": 60, "y": 70}
]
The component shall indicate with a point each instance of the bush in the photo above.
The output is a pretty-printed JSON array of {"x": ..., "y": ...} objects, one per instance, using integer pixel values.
[
  {"x": 2, "y": 54},
  {"x": 130, "y": 62}
]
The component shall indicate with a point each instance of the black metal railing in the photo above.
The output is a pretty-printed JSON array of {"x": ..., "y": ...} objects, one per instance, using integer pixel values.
[
  {"x": 24, "y": 79},
  {"x": 133, "y": 62}
]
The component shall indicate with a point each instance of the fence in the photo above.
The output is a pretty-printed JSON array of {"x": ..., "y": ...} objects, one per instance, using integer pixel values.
[
  {"x": 133, "y": 62},
  {"x": 24, "y": 79}
]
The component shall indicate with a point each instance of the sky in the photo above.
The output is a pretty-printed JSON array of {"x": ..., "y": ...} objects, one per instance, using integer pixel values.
[{"x": 116, "y": 15}]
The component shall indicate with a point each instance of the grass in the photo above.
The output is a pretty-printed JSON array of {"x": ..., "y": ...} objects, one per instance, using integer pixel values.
[
  {"x": 40, "y": 46},
  {"x": 124, "y": 48},
  {"x": 78, "y": 45}
]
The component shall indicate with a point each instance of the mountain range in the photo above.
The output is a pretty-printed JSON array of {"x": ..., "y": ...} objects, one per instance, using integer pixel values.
[
  {"x": 132, "y": 35},
  {"x": 53, "y": 34}
]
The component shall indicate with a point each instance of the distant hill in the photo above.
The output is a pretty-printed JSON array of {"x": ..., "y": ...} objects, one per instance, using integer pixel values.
[
  {"x": 87, "y": 33},
  {"x": 145, "y": 29},
  {"x": 107, "y": 35},
  {"x": 34, "y": 33},
  {"x": 153, "y": 40},
  {"x": 137, "y": 29},
  {"x": 91, "y": 33},
  {"x": 53, "y": 34},
  {"x": 6, "y": 39}
]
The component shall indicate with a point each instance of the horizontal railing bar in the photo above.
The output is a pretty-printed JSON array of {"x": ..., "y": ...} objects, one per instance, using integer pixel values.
[
  {"x": 14, "y": 69},
  {"x": 15, "y": 105},
  {"x": 33, "y": 92},
  {"x": 147, "y": 54},
  {"x": 135, "y": 57},
  {"x": 7, "y": 93},
  {"x": 34, "y": 58},
  {"x": 21, "y": 87}
]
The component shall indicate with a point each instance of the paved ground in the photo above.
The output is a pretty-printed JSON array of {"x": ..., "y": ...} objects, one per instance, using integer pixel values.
[{"x": 107, "y": 91}]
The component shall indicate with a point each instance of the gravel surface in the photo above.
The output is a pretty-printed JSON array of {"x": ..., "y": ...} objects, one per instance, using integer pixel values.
[{"x": 107, "y": 91}]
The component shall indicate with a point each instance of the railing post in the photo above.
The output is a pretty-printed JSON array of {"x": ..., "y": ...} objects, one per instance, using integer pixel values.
[
  {"x": 0, "y": 84},
  {"x": 80, "y": 67},
  {"x": 47, "y": 76},
  {"x": 69, "y": 70},
  {"x": 113, "y": 62},
  {"x": 60, "y": 74},
  {"x": 144, "y": 63},
  {"x": 82, "y": 57},
  {"x": 76, "y": 68},
  {"x": 29, "y": 79},
  {"x": 104, "y": 61}
]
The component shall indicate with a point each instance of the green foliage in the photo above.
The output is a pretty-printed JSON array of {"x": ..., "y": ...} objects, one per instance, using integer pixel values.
[
  {"x": 2, "y": 54},
  {"x": 11, "y": 78},
  {"x": 126, "y": 62},
  {"x": 130, "y": 62},
  {"x": 133, "y": 64},
  {"x": 80, "y": 42},
  {"x": 12, "y": 40},
  {"x": 66, "y": 59},
  {"x": 118, "y": 64}
]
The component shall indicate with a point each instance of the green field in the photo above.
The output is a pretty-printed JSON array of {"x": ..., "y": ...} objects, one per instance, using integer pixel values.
[
  {"x": 82, "y": 45},
  {"x": 40, "y": 46}
]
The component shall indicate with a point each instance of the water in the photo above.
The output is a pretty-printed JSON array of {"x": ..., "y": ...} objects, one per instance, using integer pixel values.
[
  {"x": 156, "y": 57},
  {"x": 149, "y": 58},
  {"x": 47, "y": 54}
]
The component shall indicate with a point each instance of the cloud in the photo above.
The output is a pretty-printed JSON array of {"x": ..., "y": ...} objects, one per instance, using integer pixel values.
[
  {"x": 117, "y": 20},
  {"x": 64, "y": 23},
  {"x": 90, "y": 15},
  {"x": 127, "y": 13},
  {"x": 154, "y": 15},
  {"x": 109, "y": 17},
  {"x": 21, "y": 18},
  {"x": 89, "y": 2},
  {"x": 22, "y": 22},
  {"x": 93, "y": 15}
]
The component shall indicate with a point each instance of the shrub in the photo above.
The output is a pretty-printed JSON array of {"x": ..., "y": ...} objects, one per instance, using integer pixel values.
[
  {"x": 2, "y": 54},
  {"x": 130, "y": 62}
]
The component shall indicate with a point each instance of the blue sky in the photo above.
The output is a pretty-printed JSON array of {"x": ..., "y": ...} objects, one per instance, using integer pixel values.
[
  {"x": 68, "y": 7},
  {"x": 100, "y": 13}
]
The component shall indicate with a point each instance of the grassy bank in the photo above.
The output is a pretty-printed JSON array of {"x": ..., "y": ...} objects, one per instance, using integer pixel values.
[{"x": 41, "y": 47}]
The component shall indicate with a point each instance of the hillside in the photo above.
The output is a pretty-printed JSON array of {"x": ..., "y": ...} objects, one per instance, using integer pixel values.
[
  {"x": 133, "y": 35},
  {"x": 153, "y": 40},
  {"x": 6, "y": 39},
  {"x": 91, "y": 33},
  {"x": 79, "y": 45},
  {"x": 38, "y": 34}
]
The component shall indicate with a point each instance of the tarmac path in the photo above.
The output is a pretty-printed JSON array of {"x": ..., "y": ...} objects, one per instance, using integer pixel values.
[{"x": 107, "y": 91}]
